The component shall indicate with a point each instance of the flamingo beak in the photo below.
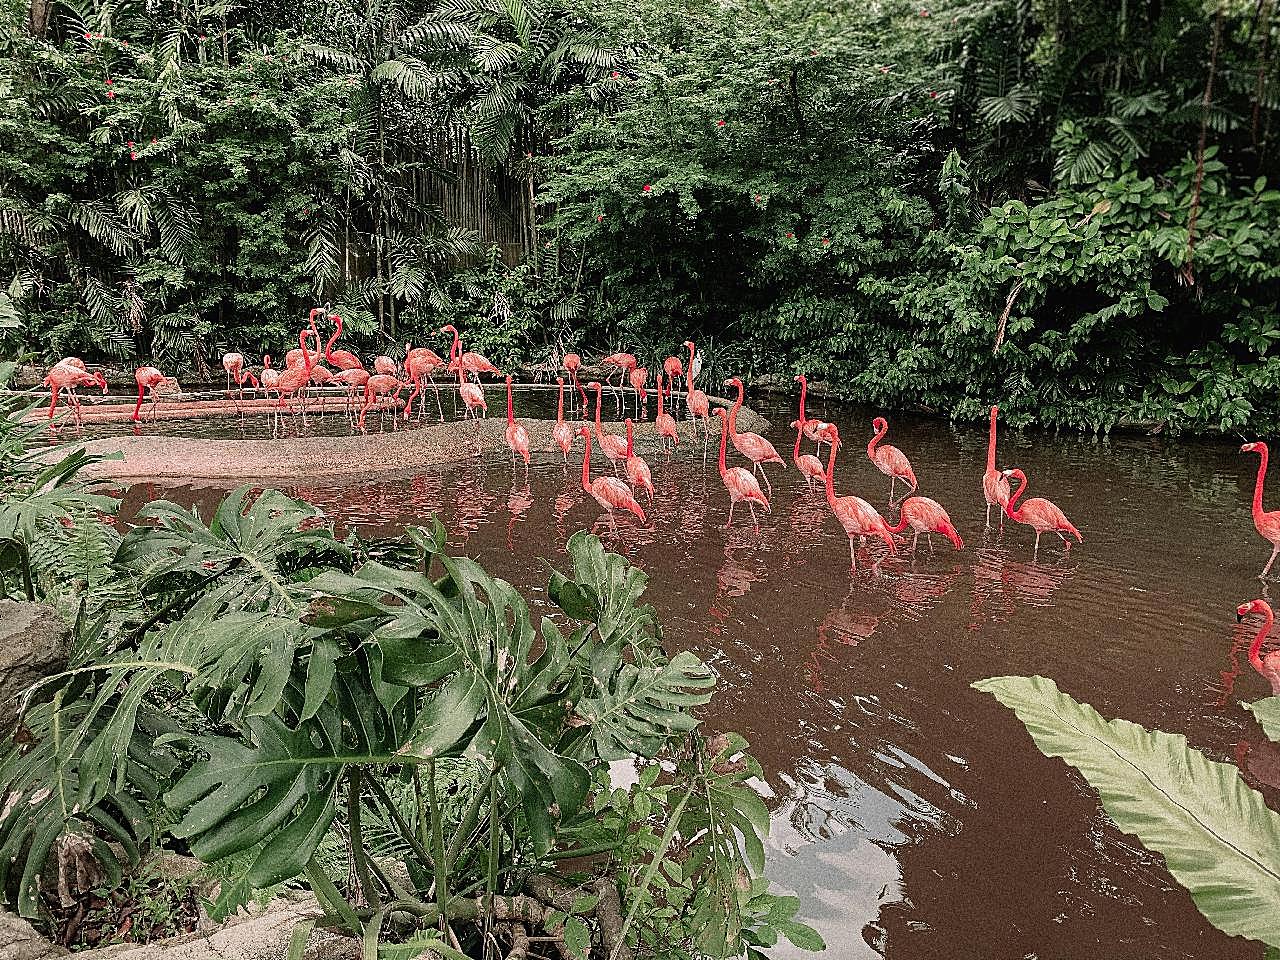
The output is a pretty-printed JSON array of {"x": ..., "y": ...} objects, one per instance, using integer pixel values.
[{"x": 1239, "y": 616}]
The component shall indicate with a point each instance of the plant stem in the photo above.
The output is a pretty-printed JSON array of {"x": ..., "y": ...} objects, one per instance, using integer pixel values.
[
  {"x": 437, "y": 847},
  {"x": 651, "y": 869},
  {"x": 468, "y": 822},
  {"x": 330, "y": 898},
  {"x": 358, "y": 857}
]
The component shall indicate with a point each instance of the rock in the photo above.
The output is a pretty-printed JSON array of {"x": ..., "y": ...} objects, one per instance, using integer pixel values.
[
  {"x": 33, "y": 644},
  {"x": 19, "y": 941}
]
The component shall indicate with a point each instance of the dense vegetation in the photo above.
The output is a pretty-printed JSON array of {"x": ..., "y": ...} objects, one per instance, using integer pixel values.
[{"x": 1067, "y": 207}]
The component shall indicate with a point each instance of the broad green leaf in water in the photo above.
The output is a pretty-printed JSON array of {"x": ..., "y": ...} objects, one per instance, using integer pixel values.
[
  {"x": 1267, "y": 712},
  {"x": 1218, "y": 837}
]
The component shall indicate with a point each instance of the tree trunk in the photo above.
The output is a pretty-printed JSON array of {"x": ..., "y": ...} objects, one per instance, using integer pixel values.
[
  {"x": 1188, "y": 273},
  {"x": 39, "y": 18}
]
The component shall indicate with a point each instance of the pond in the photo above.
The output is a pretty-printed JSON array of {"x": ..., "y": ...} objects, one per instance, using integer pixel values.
[{"x": 912, "y": 813}]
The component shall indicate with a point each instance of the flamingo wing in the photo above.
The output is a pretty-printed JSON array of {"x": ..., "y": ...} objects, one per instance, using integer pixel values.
[
  {"x": 743, "y": 485},
  {"x": 616, "y": 494}
]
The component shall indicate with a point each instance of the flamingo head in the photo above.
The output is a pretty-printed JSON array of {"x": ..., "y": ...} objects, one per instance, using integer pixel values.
[
  {"x": 448, "y": 328},
  {"x": 314, "y": 310},
  {"x": 1015, "y": 474},
  {"x": 688, "y": 344},
  {"x": 100, "y": 380},
  {"x": 878, "y": 424},
  {"x": 334, "y": 318},
  {"x": 508, "y": 380},
  {"x": 1253, "y": 606},
  {"x": 560, "y": 381},
  {"x": 733, "y": 382},
  {"x": 266, "y": 361},
  {"x": 831, "y": 435},
  {"x": 1258, "y": 447},
  {"x": 584, "y": 432},
  {"x": 722, "y": 413},
  {"x": 799, "y": 378},
  {"x": 594, "y": 385},
  {"x": 994, "y": 410},
  {"x": 794, "y": 424}
]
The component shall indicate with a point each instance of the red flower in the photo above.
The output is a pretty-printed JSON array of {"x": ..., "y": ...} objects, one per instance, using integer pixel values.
[
  {"x": 719, "y": 123},
  {"x": 599, "y": 218},
  {"x": 108, "y": 82},
  {"x": 933, "y": 94},
  {"x": 759, "y": 198},
  {"x": 202, "y": 37},
  {"x": 111, "y": 94},
  {"x": 132, "y": 155},
  {"x": 791, "y": 236},
  {"x": 648, "y": 187},
  {"x": 924, "y": 13},
  {"x": 616, "y": 75},
  {"x": 153, "y": 139},
  {"x": 825, "y": 241},
  {"x": 124, "y": 43},
  {"x": 884, "y": 69},
  {"x": 130, "y": 144},
  {"x": 88, "y": 36}
]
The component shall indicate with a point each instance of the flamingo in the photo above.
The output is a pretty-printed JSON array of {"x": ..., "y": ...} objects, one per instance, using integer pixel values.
[
  {"x": 572, "y": 364},
  {"x": 857, "y": 517},
  {"x": 751, "y": 445},
  {"x": 340, "y": 359},
  {"x": 385, "y": 366},
  {"x": 665, "y": 422},
  {"x": 321, "y": 376},
  {"x": 928, "y": 517},
  {"x": 675, "y": 372},
  {"x": 889, "y": 460},
  {"x": 378, "y": 385},
  {"x": 1268, "y": 666},
  {"x": 1267, "y": 523},
  {"x": 150, "y": 380},
  {"x": 639, "y": 378},
  {"x": 354, "y": 379},
  {"x": 697, "y": 402},
  {"x": 270, "y": 376},
  {"x": 815, "y": 430},
  {"x": 66, "y": 376},
  {"x": 472, "y": 393},
  {"x": 740, "y": 484},
  {"x": 294, "y": 380},
  {"x": 622, "y": 363},
  {"x": 637, "y": 470},
  {"x": 562, "y": 433},
  {"x": 517, "y": 435},
  {"x": 610, "y": 492},
  {"x": 468, "y": 362},
  {"x": 421, "y": 363},
  {"x": 614, "y": 448},
  {"x": 1038, "y": 513},
  {"x": 294, "y": 357},
  {"x": 995, "y": 485},
  {"x": 808, "y": 465},
  {"x": 233, "y": 364}
]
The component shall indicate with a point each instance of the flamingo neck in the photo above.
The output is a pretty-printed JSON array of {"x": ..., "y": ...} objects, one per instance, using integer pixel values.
[
  {"x": 991, "y": 443},
  {"x": 1255, "y": 649},
  {"x": 337, "y": 332},
  {"x": 307, "y": 360},
  {"x": 795, "y": 454},
  {"x": 1016, "y": 514},
  {"x": 1257, "y": 487},
  {"x": 599, "y": 428},
  {"x": 831, "y": 476},
  {"x": 560, "y": 405},
  {"x": 511, "y": 417},
  {"x": 630, "y": 449},
  {"x": 733, "y": 412},
  {"x": 871, "y": 447},
  {"x": 689, "y": 373},
  {"x": 902, "y": 520},
  {"x": 453, "y": 350},
  {"x": 138, "y": 405},
  {"x": 724, "y": 437},
  {"x": 804, "y": 387},
  {"x": 586, "y": 463},
  {"x": 577, "y": 386},
  {"x": 659, "y": 394}
]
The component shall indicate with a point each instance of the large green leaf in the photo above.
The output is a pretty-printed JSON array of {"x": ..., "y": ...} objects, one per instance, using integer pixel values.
[
  {"x": 1267, "y": 712},
  {"x": 1218, "y": 837}
]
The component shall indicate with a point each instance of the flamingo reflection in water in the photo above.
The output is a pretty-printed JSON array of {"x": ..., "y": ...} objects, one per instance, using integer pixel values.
[{"x": 518, "y": 503}]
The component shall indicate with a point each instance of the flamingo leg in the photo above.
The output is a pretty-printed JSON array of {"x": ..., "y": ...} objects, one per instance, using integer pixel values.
[
  {"x": 988, "y": 514},
  {"x": 1036, "y": 551},
  {"x": 1267, "y": 568},
  {"x": 915, "y": 542},
  {"x": 752, "y": 507},
  {"x": 853, "y": 556},
  {"x": 892, "y": 481},
  {"x": 732, "y": 503}
]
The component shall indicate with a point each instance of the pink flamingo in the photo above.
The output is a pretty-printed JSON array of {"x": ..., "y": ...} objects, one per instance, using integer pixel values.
[
  {"x": 639, "y": 379},
  {"x": 472, "y": 394},
  {"x": 1267, "y": 523},
  {"x": 233, "y": 364},
  {"x": 385, "y": 366},
  {"x": 1268, "y": 666},
  {"x": 293, "y": 380},
  {"x": 354, "y": 379},
  {"x": 1038, "y": 513},
  {"x": 697, "y": 402},
  {"x": 610, "y": 492},
  {"x": 340, "y": 359},
  {"x": 517, "y": 435},
  {"x": 67, "y": 376},
  {"x": 380, "y": 385},
  {"x": 665, "y": 422},
  {"x": 421, "y": 364},
  {"x": 469, "y": 363},
  {"x": 675, "y": 372},
  {"x": 995, "y": 485},
  {"x": 294, "y": 357},
  {"x": 751, "y": 445},
  {"x": 151, "y": 380},
  {"x": 928, "y": 517},
  {"x": 562, "y": 433},
  {"x": 572, "y": 364},
  {"x": 740, "y": 484},
  {"x": 808, "y": 465},
  {"x": 614, "y": 448},
  {"x": 637, "y": 469},
  {"x": 815, "y": 430},
  {"x": 889, "y": 460},
  {"x": 857, "y": 517},
  {"x": 623, "y": 364}
]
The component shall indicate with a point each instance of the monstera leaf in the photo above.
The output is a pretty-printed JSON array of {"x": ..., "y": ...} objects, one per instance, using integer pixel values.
[
  {"x": 41, "y": 495},
  {"x": 1267, "y": 713},
  {"x": 606, "y": 591},
  {"x": 1218, "y": 837}
]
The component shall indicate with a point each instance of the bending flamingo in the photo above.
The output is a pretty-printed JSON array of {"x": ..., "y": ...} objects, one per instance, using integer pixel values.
[
  {"x": 562, "y": 433},
  {"x": 665, "y": 422},
  {"x": 421, "y": 364},
  {"x": 926, "y": 516},
  {"x": 152, "y": 381},
  {"x": 385, "y": 366},
  {"x": 856, "y": 517},
  {"x": 623, "y": 364},
  {"x": 638, "y": 472},
  {"x": 1038, "y": 513},
  {"x": 1266, "y": 522},
  {"x": 808, "y": 465},
  {"x": 517, "y": 435},
  {"x": 381, "y": 385},
  {"x": 340, "y": 359},
  {"x": 751, "y": 445},
  {"x": 614, "y": 448},
  {"x": 815, "y": 430},
  {"x": 889, "y": 460},
  {"x": 472, "y": 395},
  {"x": 468, "y": 362},
  {"x": 572, "y": 364},
  {"x": 610, "y": 492},
  {"x": 293, "y": 381},
  {"x": 697, "y": 402},
  {"x": 354, "y": 379},
  {"x": 639, "y": 379},
  {"x": 1268, "y": 666},
  {"x": 740, "y": 484},
  {"x": 66, "y": 376},
  {"x": 995, "y": 485}
]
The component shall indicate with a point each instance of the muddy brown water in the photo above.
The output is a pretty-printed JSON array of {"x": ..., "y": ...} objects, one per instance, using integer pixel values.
[{"x": 911, "y": 813}]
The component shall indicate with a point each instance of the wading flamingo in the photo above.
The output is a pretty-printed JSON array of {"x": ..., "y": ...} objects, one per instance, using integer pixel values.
[
  {"x": 665, "y": 422},
  {"x": 639, "y": 379},
  {"x": 65, "y": 376},
  {"x": 269, "y": 376},
  {"x": 233, "y": 364},
  {"x": 1038, "y": 513},
  {"x": 751, "y": 445},
  {"x": 421, "y": 364},
  {"x": 293, "y": 381},
  {"x": 675, "y": 373},
  {"x": 995, "y": 485},
  {"x": 472, "y": 395},
  {"x": 815, "y": 430},
  {"x": 889, "y": 460},
  {"x": 572, "y": 364},
  {"x": 381, "y": 385},
  {"x": 697, "y": 402},
  {"x": 614, "y": 448},
  {"x": 610, "y": 492},
  {"x": 517, "y": 435},
  {"x": 740, "y": 484},
  {"x": 468, "y": 362},
  {"x": 151, "y": 381},
  {"x": 622, "y": 364},
  {"x": 808, "y": 465},
  {"x": 354, "y": 379},
  {"x": 638, "y": 473},
  {"x": 294, "y": 357},
  {"x": 856, "y": 517},
  {"x": 1268, "y": 666},
  {"x": 928, "y": 517},
  {"x": 562, "y": 433},
  {"x": 340, "y": 359},
  {"x": 1266, "y": 522},
  {"x": 385, "y": 366}
]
